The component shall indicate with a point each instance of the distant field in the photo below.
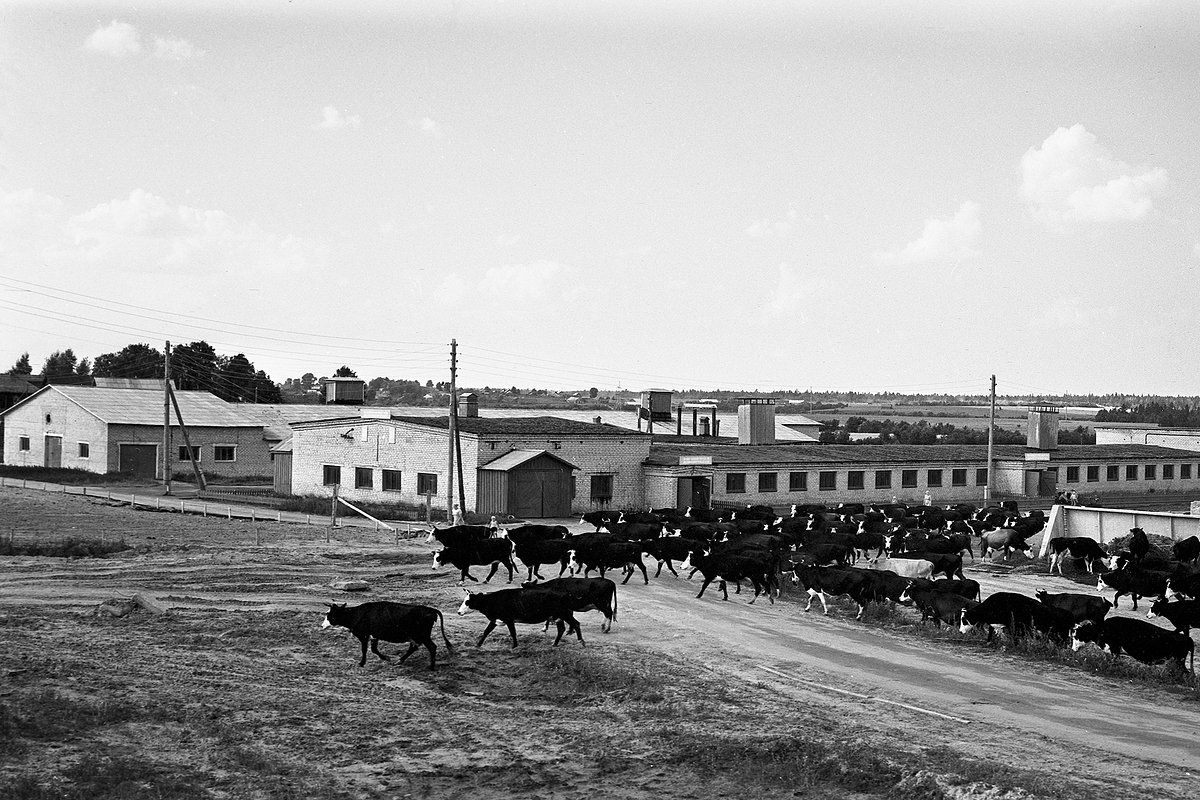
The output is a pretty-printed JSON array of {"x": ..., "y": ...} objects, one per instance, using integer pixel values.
[{"x": 1011, "y": 418}]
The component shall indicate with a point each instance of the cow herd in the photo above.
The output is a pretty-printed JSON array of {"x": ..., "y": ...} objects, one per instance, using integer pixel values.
[{"x": 890, "y": 553}]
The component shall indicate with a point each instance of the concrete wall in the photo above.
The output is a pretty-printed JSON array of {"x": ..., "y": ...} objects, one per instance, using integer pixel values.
[
  {"x": 841, "y": 493},
  {"x": 1179, "y": 439},
  {"x": 252, "y": 456},
  {"x": 384, "y": 444}
]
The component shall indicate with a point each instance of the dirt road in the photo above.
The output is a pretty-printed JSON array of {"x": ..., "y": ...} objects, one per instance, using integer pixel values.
[{"x": 697, "y": 668}]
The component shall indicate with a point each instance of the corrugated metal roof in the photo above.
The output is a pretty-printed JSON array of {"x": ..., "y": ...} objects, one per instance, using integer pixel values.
[
  {"x": 515, "y": 458},
  {"x": 13, "y": 384},
  {"x": 667, "y": 454},
  {"x": 283, "y": 447},
  {"x": 139, "y": 407},
  {"x": 522, "y": 426},
  {"x": 149, "y": 384}
]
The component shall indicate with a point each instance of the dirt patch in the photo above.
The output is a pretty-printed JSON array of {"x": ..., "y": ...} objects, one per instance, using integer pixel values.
[{"x": 235, "y": 692}]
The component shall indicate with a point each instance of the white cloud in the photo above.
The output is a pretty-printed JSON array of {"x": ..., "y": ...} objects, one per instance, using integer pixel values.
[
  {"x": 331, "y": 119},
  {"x": 175, "y": 49},
  {"x": 427, "y": 126},
  {"x": 793, "y": 292},
  {"x": 943, "y": 239},
  {"x": 117, "y": 39},
  {"x": 516, "y": 284},
  {"x": 773, "y": 229},
  {"x": 1072, "y": 178},
  {"x": 146, "y": 234}
]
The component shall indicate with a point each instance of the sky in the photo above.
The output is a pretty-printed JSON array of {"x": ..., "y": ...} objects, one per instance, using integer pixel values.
[{"x": 881, "y": 196}]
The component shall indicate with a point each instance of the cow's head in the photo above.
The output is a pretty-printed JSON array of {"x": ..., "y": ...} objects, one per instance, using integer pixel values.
[
  {"x": 1156, "y": 608},
  {"x": 906, "y": 596},
  {"x": 430, "y": 538},
  {"x": 466, "y": 606},
  {"x": 333, "y": 616},
  {"x": 437, "y": 558},
  {"x": 1083, "y": 633}
]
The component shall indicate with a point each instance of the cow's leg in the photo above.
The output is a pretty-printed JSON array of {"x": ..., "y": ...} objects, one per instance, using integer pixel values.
[
  {"x": 432, "y": 648},
  {"x": 642, "y": 567},
  {"x": 757, "y": 591},
  {"x": 363, "y": 661},
  {"x": 811, "y": 595},
  {"x": 578, "y": 632},
  {"x": 412, "y": 647},
  {"x": 703, "y": 586},
  {"x": 466, "y": 575},
  {"x": 511, "y": 569},
  {"x": 532, "y": 572},
  {"x": 512, "y": 631},
  {"x": 561, "y": 627},
  {"x": 494, "y": 569},
  {"x": 491, "y": 626},
  {"x": 658, "y": 571},
  {"x": 824, "y": 604},
  {"x": 725, "y": 589},
  {"x": 375, "y": 650},
  {"x": 562, "y": 567}
]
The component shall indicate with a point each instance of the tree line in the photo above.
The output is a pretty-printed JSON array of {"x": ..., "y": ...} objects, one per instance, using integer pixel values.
[{"x": 888, "y": 432}]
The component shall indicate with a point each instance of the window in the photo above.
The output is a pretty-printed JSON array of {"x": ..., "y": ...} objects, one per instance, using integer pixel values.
[
  {"x": 735, "y": 482},
  {"x": 1151, "y": 472},
  {"x": 224, "y": 452},
  {"x": 391, "y": 480},
  {"x": 933, "y": 478},
  {"x": 1093, "y": 473},
  {"x": 1112, "y": 473},
  {"x": 85, "y": 449},
  {"x": 1131, "y": 472},
  {"x": 981, "y": 476},
  {"x": 768, "y": 481},
  {"x": 602, "y": 488},
  {"x": 331, "y": 475},
  {"x": 183, "y": 452},
  {"x": 883, "y": 479},
  {"x": 958, "y": 477},
  {"x": 1185, "y": 472},
  {"x": 557, "y": 445},
  {"x": 1168, "y": 472},
  {"x": 854, "y": 479},
  {"x": 827, "y": 481},
  {"x": 1072, "y": 474},
  {"x": 426, "y": 483},
  {"x": 364, "y": 478},
  {"x": 798, "y": 482},
  {"x": 908, "y": 479},
  {"x": 24, "y": 443}
]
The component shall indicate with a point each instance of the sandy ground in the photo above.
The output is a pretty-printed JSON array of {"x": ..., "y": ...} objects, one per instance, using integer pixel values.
[{"x": 236, "y": 692}]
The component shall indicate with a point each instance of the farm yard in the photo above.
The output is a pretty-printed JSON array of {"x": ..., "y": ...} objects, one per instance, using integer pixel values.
[{"x": 217, "y": 682}]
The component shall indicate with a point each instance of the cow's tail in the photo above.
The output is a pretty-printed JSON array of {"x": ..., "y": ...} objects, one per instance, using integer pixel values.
[
  {"x": 614, "y": 603},
  {"x": 442, "y": 624}
]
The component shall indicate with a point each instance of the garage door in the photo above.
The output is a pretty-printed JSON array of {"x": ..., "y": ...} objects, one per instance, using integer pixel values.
[
  {"x": 140, "y": 460},
  {"x": 541, "y": 493}
]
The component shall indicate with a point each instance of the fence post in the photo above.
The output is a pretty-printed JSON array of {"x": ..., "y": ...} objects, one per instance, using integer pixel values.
[
  {"x": 156, "y": 502},
  {"x": 252, "y": 519},
  {"x": 182, "y": 506},
  {"x": 277, "y": 519},
  {"x": 229, "y": 512}
]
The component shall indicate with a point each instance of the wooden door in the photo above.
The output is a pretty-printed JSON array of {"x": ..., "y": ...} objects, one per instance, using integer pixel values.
[
  {"x": 139, "y": 459},
  {"x": 53, "y": 451}
]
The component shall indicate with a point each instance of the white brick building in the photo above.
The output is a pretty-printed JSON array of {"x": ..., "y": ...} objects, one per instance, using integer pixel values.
[
  {"x": 121, "y": 430},
  {"x": 524, "y": 466}
]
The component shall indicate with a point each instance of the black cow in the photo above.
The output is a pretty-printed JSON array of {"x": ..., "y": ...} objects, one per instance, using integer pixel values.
[
  {"x": 701, "y": 514},
  {"x": 758, "y": 568},
  {"x": 1187, "y": 551},
  {"x": 1183, "y": 614},
  {"x": 941, "y": 607},
  {"x": 1142, "y": 640},
  {"x": 823, "y": 555},
  {"x": 1018, "y": 614},
  {"x": 966, "y": 587},
  {"x": 478, "y": 554},
  {"x": 598, "y": 518},
  {"x": 1139, "y": 545},
  {"x": 458, "y": 535},
  {"x": 535, "y": 533},
  {"x": 644, "y": 517},
  {"x": 887, "y": 585},
  {"x": 585, "y": 594},
  {"x": 389, "y": 622},
  {"x": 1076, "y": 547},
  {"x": 834, "y": 582},
  {"x": 1133, "y": 582},
  {"x": 606, "y": 556},
  {"x": 527, "y": 606},
  {"x": 668, "y": 549},
  {"x": 1184, "y": 583},
  {"x": 551, "y": 551},
  {"x": 950, "y": 543},
  {"x": 1080, "y": 607}
]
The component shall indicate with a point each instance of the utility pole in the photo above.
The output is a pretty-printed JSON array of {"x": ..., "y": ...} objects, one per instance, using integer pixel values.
[
  {"x": 987, "y": 490},
  {"x": 166, "y": 458},
  {"x": 452, "y": 422}
]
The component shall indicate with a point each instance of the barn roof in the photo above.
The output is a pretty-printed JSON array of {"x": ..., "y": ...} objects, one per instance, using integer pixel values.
[
  {"x": 515, "y": 458},
  {"x": 523, "y": 426},
  {"x": 668, "y": 454},
  {"x": 141, "y": 407}
]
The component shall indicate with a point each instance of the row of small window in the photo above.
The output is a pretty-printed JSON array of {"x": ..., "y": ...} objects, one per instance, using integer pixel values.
[
  {"x": 221, "y": 452},
  {"x": 827, "y": 480},
  {"x": 85, "y": 449},
  {"x": 1149, "y": 471},
  {"x": 364, "y": 478}
]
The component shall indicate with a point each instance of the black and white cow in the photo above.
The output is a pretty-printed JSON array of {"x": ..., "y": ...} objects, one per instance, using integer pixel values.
[
  {"x": 1142, "y": 640},
  {"x": 757, "y": 567},
  {"x": 492, "y": 552},
  {"x": 1134, "y": 582},
  {"x": 534, "y": 533},
  {"x": 536, "y": 553},
  {"x": 527, "y": 606},
  {"x": 610, "y": 555},
  {"x": 1006, "y": 541},
  {"x": 826, "y": 582},
  {"x": 585, "y": 594},
  {"x": 941, "y": 607},
  {"x": 457, "y": 535},
  {"x": 389, "y": 622},
  {"x": 1018, "y": 614},
  {"x": 1182, "y": 614},
  {"x": 1080, "y": 547}
]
